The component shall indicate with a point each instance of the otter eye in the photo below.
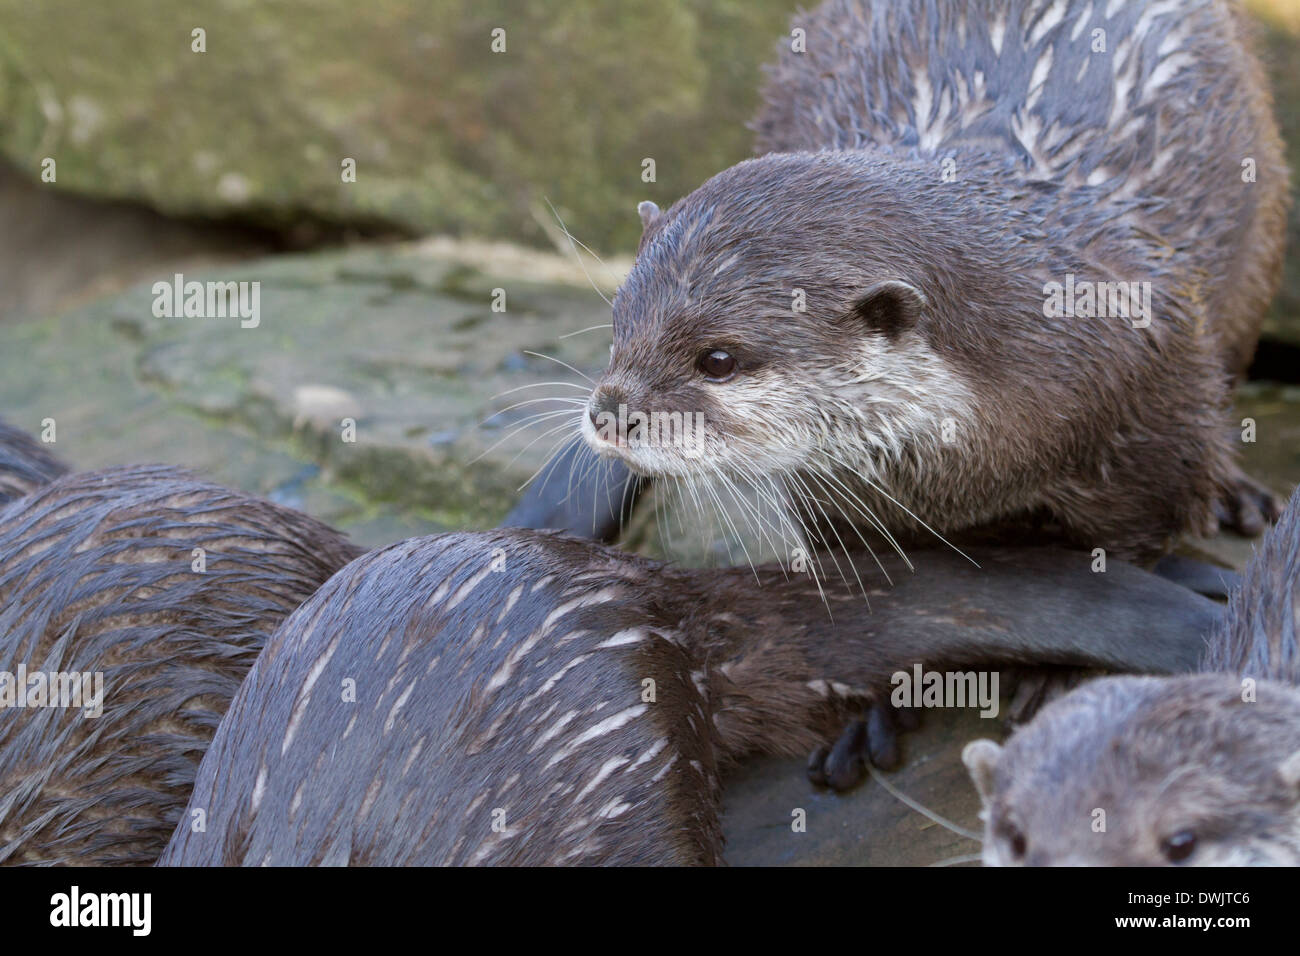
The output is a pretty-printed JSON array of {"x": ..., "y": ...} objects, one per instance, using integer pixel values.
[
  {"x": 1179, "y": 846},
  {"x": 717, "y": 364}
]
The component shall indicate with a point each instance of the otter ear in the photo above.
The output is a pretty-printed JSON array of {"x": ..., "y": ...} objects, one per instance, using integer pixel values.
[
  {"x": 890, "y": 307},
  {"x": 648, "y": 212},
  {"x": 981, "y": 759},
  {"x": 1289, "y": 771}
]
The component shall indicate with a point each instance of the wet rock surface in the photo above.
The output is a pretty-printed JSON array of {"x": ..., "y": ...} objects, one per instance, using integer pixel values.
[
  {"x": 869, "y": 826},
  {"x": 401, "y": 342}
]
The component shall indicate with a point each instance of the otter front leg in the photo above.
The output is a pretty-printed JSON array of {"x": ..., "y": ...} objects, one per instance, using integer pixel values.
[
  {"x": 875, "y": 738},
  {"x": 1011, "y": 608}
]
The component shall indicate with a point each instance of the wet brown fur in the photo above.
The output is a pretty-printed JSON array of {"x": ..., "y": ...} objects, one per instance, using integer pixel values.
[
  {"x": 520, "y": 690},
  {"x": 96, "y": 575},
  {"x": 1118, "y": 434},
  {"x": 1228, "y": 233}
]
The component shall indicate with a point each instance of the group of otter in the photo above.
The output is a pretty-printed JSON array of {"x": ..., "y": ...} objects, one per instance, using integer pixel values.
[{"x": 929, "y": 178}]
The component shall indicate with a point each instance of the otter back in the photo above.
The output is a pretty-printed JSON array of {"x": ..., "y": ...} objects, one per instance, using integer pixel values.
[
  {"x": 1162, "y": 100},
  {"x": 164, "y": 588},
  {"x": 1260, "y": 635}
]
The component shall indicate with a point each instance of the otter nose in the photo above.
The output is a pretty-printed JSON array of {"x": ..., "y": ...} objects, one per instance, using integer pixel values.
[{"x": 605, "y": 399}]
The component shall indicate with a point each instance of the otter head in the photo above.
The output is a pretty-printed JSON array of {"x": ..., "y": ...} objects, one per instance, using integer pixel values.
[
  {"x": 1146, "y": 771},
  {"x": 773, "y": 322}
]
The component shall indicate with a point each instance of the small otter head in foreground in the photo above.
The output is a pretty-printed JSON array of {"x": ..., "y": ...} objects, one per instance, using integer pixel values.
[
  {"x": 776, "y": 307},
  {"x": 1142, "y": 771}
]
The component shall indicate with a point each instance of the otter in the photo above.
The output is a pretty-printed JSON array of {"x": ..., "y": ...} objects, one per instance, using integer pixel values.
[
  {"x": 1201, "y": 769},
  {"x": 996, "y": 262},
  {"x": 25, "y": 464},
  {"x": 148, "y": 594},
  {"x": 522, "y": 697}
]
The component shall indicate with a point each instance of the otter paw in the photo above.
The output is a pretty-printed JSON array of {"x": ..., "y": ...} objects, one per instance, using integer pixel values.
[
  {"x": 1246, "y": 507},
  {"x": 1033, "y": 688},
  {"x": 873, "y": 738}
]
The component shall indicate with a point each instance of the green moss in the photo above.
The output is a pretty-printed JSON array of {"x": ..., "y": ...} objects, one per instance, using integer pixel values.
[{"x": 447, "y": 135}]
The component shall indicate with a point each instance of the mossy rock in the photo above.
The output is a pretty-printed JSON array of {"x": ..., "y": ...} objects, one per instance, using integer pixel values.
[{"x": 447, "y": 135}]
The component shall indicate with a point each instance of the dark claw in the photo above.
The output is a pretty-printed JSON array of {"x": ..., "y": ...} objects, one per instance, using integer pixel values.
[
  {"x": 1031, "y": 690},
  {"x": 1221, "y": 513},
  {"x": 844, "y": 767},
  {"x": 1036, "y": 687},
  {"x": 874, "y": 738},
  {"x": 1250, "y": 520},
  {"x": 882, "y": 738}
]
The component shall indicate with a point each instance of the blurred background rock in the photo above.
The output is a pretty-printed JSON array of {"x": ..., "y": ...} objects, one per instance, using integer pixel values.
[
  {"x": 225, "y": 165},
  {"x": 448, "y": 136}
]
